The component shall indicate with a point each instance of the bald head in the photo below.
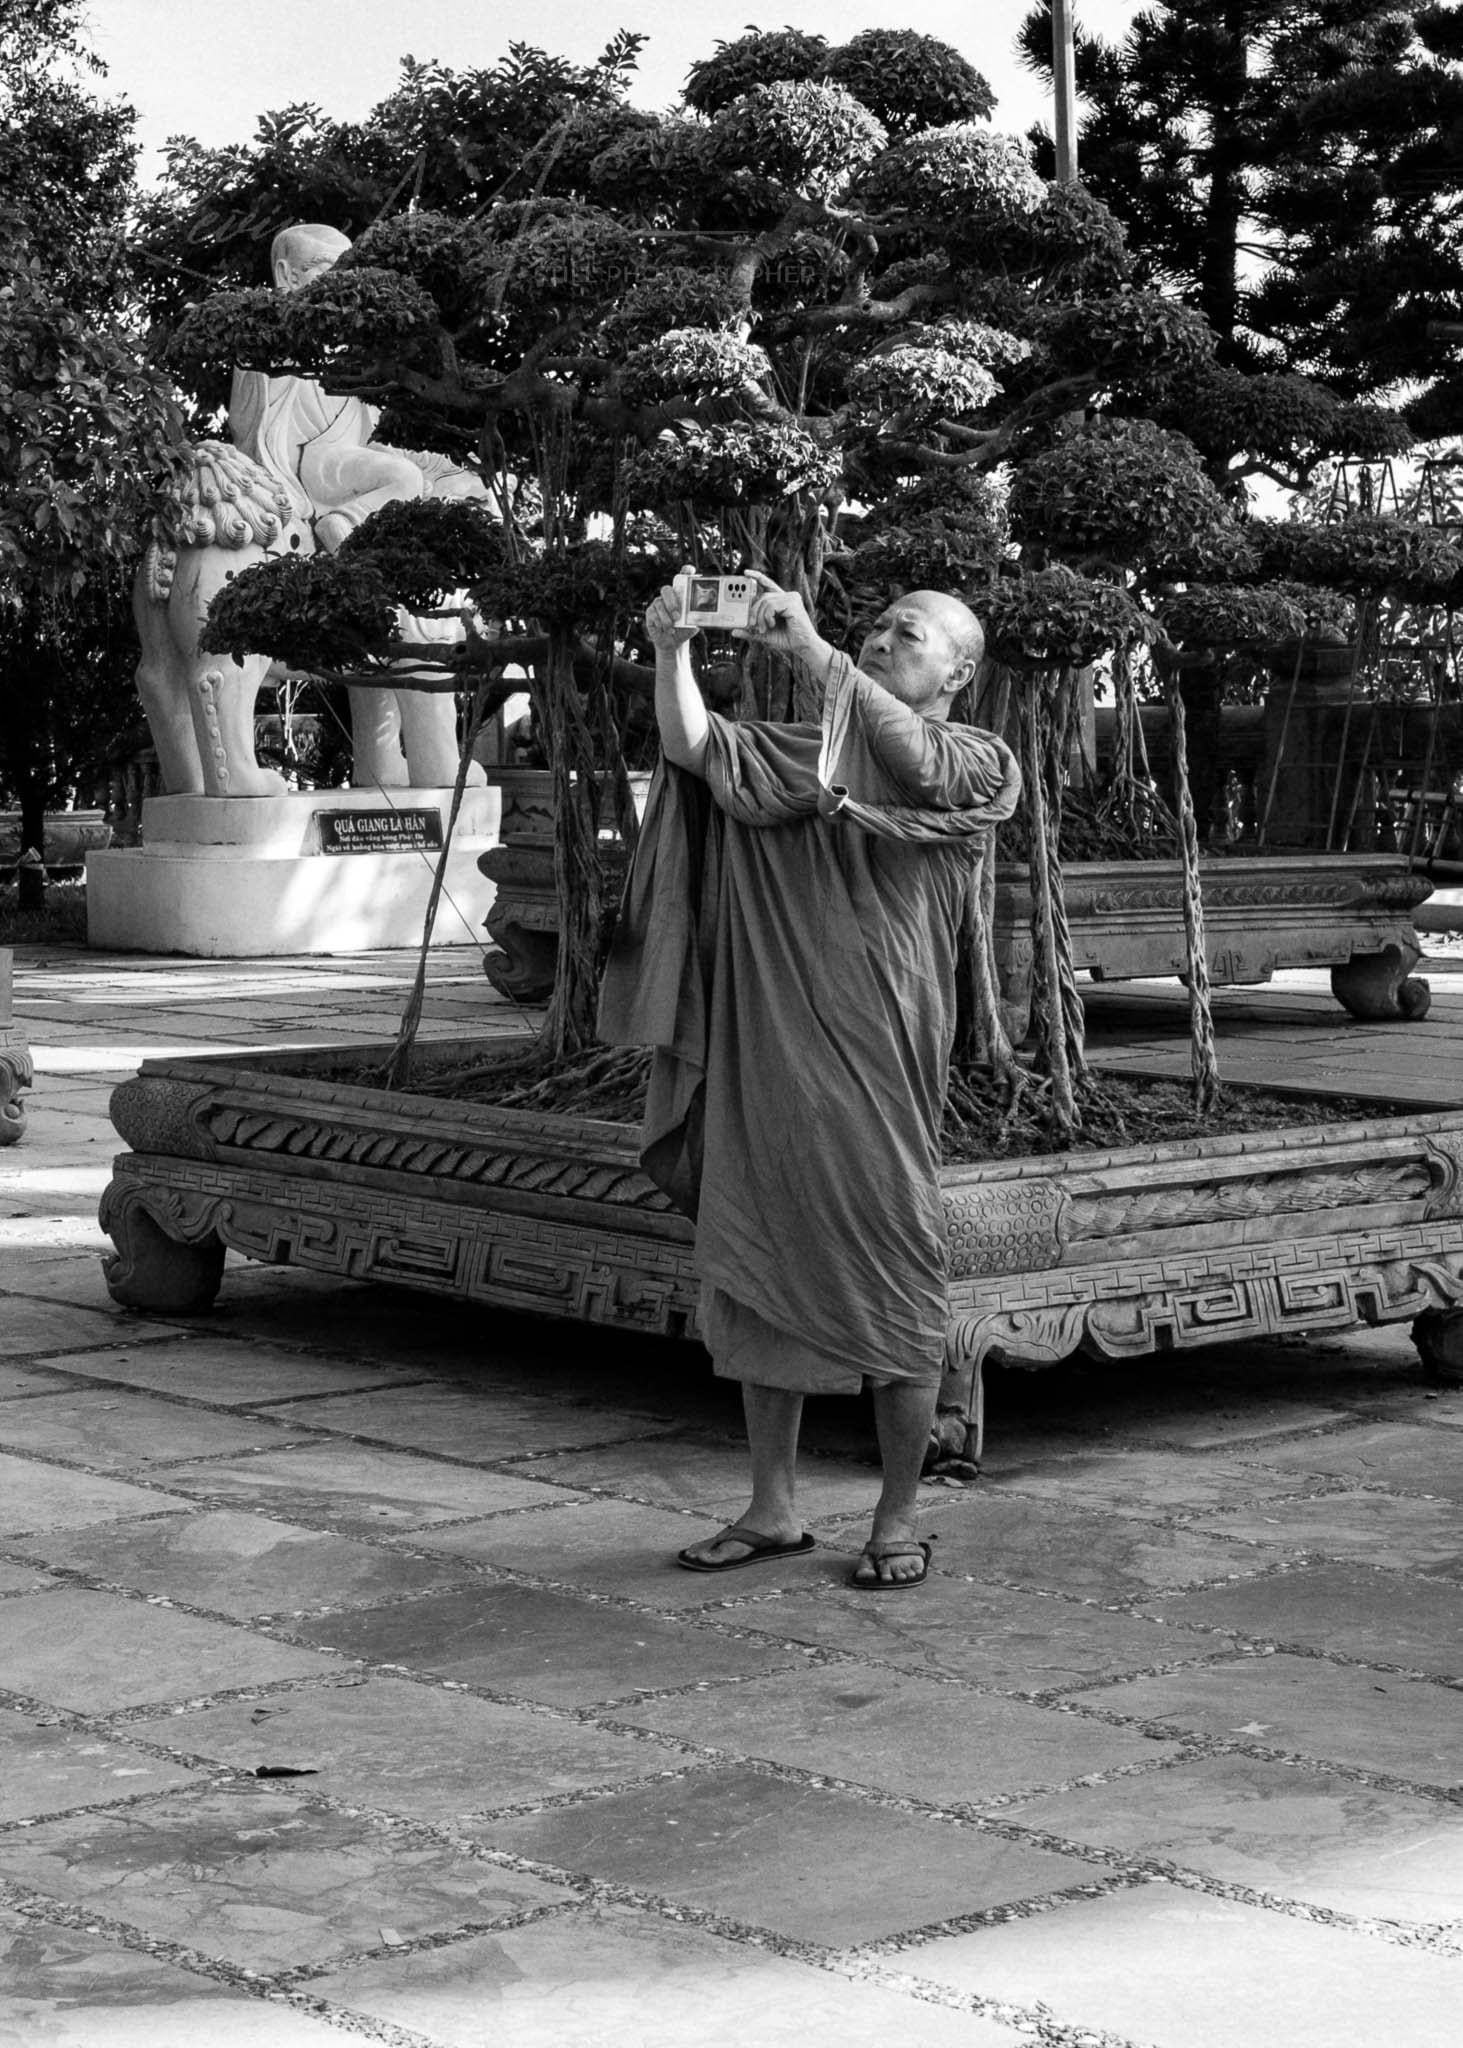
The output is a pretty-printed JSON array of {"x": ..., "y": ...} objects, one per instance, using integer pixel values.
[
  {"x": 301, "y": 252},
  {"x": 967, "y": 636},
  {"x": 924, "y": 649}
]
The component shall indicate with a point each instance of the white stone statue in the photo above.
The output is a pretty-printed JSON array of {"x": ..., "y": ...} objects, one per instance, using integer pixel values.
[
  {"x": 200, "y": 707},
  {"x": 320, "y": 450}
]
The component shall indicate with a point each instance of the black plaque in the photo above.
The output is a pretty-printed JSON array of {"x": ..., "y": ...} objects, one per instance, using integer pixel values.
[{"x": 385, "y": 831}]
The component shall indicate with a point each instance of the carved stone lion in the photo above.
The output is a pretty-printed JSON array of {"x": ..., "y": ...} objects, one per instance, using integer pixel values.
[{"x": 227, "y": 515}]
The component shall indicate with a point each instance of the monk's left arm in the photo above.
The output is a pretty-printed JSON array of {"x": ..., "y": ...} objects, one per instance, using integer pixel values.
[{"x": 937, "y": 765}]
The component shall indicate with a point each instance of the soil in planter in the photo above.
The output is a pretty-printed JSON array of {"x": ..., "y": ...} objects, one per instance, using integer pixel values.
[{"x": 609, "y": 1086}]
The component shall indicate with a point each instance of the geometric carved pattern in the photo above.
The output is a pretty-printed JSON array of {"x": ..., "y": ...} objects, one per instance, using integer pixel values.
[
  {"x": 299, "y": 1135},
  {"x": 1125, "y": 1211},
  {"x": 1014, "y": 1226},
  {"x": 502, "y": 1259},
  {"x": 1287, "y": 1287}
]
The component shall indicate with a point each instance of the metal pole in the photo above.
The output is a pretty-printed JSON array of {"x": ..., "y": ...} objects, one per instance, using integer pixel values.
[{"x": 1064, "y": 78}]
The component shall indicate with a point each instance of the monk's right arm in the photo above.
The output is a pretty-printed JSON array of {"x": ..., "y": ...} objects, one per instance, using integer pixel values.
[{"x": 679, "y": 710}]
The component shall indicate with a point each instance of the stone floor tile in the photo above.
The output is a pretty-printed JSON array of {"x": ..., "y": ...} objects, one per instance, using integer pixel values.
[
  {"x": 39, "y": 1326},
  {"x": 1243, "y": 1390},
  {"x": 1177, "y": 1969},
  {"x": 368, "y": 1325},
  {"x": 1385, "y": 1454},
  {"x": 100, "y": 1652},
  {"x": 1226, "y": 1425},
  {"x": 1401, "y": 1533},
  {"x": 1332, "y": 1713},
  {"x": 481, "y": 1422},
  {"x": 606, "y": 1977},
  {"x": 49, "y": 1768},
  {"x": 260, "y": 1879},
  {"x": 114, "y": 1430},
  {"x": 20, "y": 1382},
  {"x": 37, "y": 1496},
  {"x": 232, "y": 1373},
  {"x": 1279, "y": 1828},
  {"x": 544, "y": 1646},
  {"x": 65, "y": 1988},
  {"x": 1379, "y": 1617},
  {"x": 1148, "y": 1485},
  {"x": 1432, "y": 1406},
  {"x": 613, "y": 1546},
  {"x": 1045, "y": 1545},
  {"x": 244, "y": 1565},
  {"x": 39, "y": 1268},
  {"x": 815, "y": 1864},
  {"x": 23, "y": 1578},
  {"x": 354, "y": 1488},
  {"x": 897, "y": 1732},
  {"x": 416, "y": 1750},
  {"x": 712, "y": 1478},
  {"x": 1019, "y": 1642}
]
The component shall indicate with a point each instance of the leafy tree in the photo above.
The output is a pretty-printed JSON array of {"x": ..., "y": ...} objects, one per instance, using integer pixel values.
[
  {"x": 1294, "y": 169},
  {"x": 86, "y": 429},
  {"x": 780, "y": 326}
]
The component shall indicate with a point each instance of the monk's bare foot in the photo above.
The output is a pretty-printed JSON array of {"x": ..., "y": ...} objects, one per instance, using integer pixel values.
[{"x": 893, "y": 1556}]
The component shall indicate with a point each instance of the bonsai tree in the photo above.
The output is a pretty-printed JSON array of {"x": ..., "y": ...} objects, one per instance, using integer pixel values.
[{"x": 819, "y": 320}]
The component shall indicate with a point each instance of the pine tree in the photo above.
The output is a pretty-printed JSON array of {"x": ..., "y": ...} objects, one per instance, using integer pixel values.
[{"x": 1294, "y": 167}]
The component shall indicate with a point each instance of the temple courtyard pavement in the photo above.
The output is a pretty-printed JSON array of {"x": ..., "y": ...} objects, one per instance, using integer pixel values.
[{"x": 347, "y": 1687}]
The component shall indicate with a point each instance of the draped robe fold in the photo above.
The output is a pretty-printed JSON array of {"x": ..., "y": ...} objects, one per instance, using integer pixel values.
[{"x": 787, "y": 946}]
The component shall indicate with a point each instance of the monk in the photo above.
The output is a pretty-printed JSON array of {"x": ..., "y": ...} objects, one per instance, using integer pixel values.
[{"x": 787, "y": 945}]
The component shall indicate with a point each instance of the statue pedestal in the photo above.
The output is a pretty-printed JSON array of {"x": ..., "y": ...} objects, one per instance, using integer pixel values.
[{"x": 337, "y": 871}]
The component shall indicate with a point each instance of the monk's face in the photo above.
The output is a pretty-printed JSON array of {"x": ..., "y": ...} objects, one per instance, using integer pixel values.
[{"x": 917, "y": 651}]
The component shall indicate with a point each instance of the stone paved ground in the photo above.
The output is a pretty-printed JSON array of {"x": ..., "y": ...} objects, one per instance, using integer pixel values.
[{"x": 347, "y": 1688}]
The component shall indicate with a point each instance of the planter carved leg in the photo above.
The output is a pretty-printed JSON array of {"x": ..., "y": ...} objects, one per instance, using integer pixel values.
[
  {"x": 1380, "y": 987},
  {"x": 171, "y": 1262},
  {"x": 523, "y": 961},
  {"x": 16, "y": 1071},
  {"x": 957, "y": 1437},
  {"x": 1438, "y": 1336},
  {"x": 16, "y": 1075}
]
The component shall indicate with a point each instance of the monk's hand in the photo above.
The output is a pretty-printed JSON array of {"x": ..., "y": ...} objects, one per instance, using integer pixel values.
[
  {"x": 663, "y": 622},
  {"x": 779, "y": 620}
]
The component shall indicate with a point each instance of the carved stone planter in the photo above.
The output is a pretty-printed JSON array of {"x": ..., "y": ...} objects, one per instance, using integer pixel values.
[
  {"x": 523, "y": 923},
  {"x": 16, "y": 1071},
  {"x": 1349, "y": 912},
  {"x": 290, "y": 1160}
]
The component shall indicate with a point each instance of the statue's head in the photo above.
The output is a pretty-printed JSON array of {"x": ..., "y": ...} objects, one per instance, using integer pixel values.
[{"x": 301, "y": 252}]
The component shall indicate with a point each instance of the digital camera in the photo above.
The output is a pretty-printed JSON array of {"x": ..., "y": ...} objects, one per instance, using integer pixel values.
[{"x": 714, "y": 600}]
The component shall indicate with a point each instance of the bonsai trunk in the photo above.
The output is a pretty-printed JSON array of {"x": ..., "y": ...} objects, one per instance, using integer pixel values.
[{"x": 579, "y": 877}]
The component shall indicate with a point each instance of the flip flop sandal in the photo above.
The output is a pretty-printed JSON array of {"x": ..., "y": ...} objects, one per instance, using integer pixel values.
[
  {"x": 763, "y": 1550},
  {"x": 885, "y": 1553}
]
